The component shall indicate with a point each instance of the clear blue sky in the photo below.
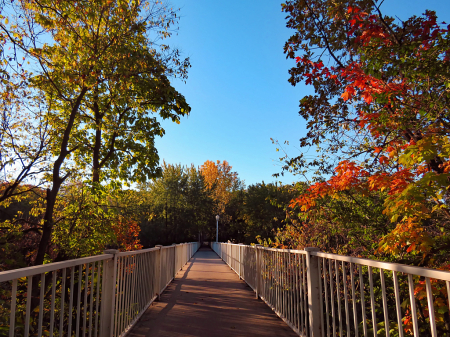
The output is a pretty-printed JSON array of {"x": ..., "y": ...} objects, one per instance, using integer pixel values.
[{"x": 237, "y": 86}]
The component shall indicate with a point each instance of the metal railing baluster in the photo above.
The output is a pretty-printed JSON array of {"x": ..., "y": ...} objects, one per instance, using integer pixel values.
[
  {"x": 298, "y": 293},
  {"x": 372, "y": 304},
  {"x": 52, "y": 306},
  {"x": 325, "y": 285},
  {"x": 355, "y": 313},
  {"x": 347, "y": 315},
  {"x": 132, "y": 291},
  {"x": 333, "y": 315},
  {"x": 322, "y": 323},
  {"x": 97, "y": 299},
  {"x": 63, "y": 297},
  {"x": 397, "y": 304},
  {"x": 278, "y": 282},
  {"x": 363, "y": 300},
  {"x": 125, "y": 293},
  {"x": 91, "y": 299},
  {"x": 285, "y": 287},
  {"x": 41, "y": 304},
  {"x": 305, "y": 298},
  {"x": 86, "y": 287},
  {"x": 141, "y": 292},
  {"x": 338, "y": 297},
  {"x": 118, "y": 311},
  {"x": 80, "y": 283},
  {"x": 72, "y": 278},
  {"x": 12, "y": 314},
  {"x": 385, "y": 308},
  {"x": 448, "y": 293},
  {"x": 291, "y": 293},
  {"x": 431, "y": 313},
  {"x": 28, "y": 308}
]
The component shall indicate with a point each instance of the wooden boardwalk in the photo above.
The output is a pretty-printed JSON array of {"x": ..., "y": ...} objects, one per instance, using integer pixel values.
[{"x": 207, "y": 298}]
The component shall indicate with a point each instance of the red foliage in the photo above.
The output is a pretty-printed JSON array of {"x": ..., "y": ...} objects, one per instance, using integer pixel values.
[
  {"x": 127, "y": 233},
  {"x": 407, "y": 153}
]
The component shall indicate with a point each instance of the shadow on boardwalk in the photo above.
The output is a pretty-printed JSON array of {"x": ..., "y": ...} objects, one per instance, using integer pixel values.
[{"x": 208, "y": 299}]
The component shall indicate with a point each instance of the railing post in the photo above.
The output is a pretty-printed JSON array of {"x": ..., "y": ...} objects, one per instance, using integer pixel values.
[
  {"x": 239, "y": 261},
  {"x": 158, "y": 269},
  {"x": 258, "y": 270},
  {"x": 227, "y": 253},
  {"x": 233, "y": 256},
  {"x": 182, "y": 254},
  {"x": 108, "y": 294},
  {"x": 174, "y": 259},
  {"x": 314, "y": 297}
]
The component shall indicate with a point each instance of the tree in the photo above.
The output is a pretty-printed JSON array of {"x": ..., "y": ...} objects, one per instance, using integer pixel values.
[
  {"x": 263, "y": 210},
  {"x": 176, "y": 206},
  {"x": 121, "y": 79},
  {"x": 24, "y": 132},
  {"x": 198, "y": 201},
  {"x": 102, "y": 77},
  {"x": 381, "y": 103},
  {"x": 90, "y": 220},
  {"x": 166, "y": 203},
  {"x": 220, "y": 181}
]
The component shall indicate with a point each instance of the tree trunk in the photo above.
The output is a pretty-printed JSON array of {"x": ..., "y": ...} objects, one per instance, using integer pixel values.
[
  {"x": 57, "y": 181},
  {"x": 98, "y": 140}
]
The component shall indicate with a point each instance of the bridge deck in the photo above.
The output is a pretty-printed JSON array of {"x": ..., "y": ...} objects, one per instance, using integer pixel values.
[{"x": 208, "y": 299}]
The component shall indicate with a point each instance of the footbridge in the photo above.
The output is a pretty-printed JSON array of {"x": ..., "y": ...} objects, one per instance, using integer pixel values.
[{"x": 224, "y": 289}]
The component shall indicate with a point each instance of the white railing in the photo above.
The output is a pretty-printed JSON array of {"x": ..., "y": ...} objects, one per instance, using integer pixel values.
[
  {"x": 100, "y": 295},
  {"x": 319, "y": 294}
]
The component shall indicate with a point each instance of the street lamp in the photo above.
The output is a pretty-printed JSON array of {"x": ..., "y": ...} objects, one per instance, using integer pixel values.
[{"x": 217, "y": 228}]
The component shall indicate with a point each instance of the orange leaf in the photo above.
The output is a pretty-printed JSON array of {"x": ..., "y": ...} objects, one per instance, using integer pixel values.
[{"x": 345, "y": 95}]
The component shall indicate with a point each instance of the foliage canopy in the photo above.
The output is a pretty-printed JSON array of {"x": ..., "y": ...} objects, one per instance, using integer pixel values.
[{"x": 379, "y": 117}]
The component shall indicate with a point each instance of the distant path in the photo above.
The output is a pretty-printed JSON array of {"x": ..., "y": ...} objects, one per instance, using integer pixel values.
[{"x": 208, "y": 299}]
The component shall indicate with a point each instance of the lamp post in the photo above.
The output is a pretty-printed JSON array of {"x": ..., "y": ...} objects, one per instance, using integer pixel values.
[{"x": 217, "y": 228}]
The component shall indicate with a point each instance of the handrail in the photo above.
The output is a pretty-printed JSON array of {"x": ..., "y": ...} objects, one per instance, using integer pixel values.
[
  {"x": 403, "y": 268},
  {"x": 321, "y": 294},
  {"x": 101, "y": 295},
  {"x": 35, "y": 270},
  {"x": 134, "y": 252}
]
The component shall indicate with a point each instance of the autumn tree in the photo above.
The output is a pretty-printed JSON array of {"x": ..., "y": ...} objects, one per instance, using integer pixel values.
[
  {"x": 221, "y": 181},
  {"x": 24, "y": 128},
  {"x": 122, "y": 77},
  {"x": 104, "y": 78},
  {"x": 24, "y": 156},
  {"x": 381, "y": 104}
]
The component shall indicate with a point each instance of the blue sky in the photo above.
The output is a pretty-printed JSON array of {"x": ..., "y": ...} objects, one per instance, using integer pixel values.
[{"x": 237, "y": 86}]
